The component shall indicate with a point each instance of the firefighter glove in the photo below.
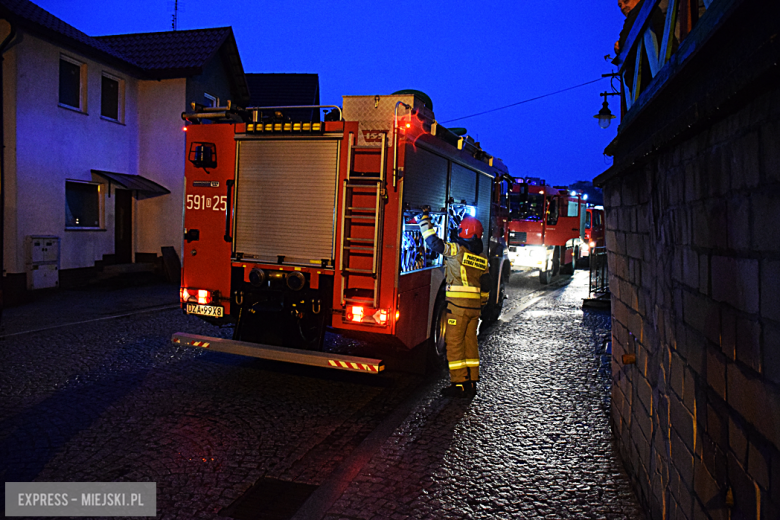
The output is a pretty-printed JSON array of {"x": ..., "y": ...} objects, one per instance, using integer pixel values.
[{"x": 425, "y": 221}]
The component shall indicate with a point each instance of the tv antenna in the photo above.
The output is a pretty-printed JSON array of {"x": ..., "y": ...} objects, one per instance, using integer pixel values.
[{"x": 175, "y": 6}]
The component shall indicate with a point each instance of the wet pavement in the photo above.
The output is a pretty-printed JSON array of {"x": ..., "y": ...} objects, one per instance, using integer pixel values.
[
  {"x": 111, "y": 399},
  {"x": 535, "y": 442}
]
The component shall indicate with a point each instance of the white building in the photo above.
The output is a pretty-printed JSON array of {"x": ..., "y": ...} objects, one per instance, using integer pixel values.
[{"x": 94, "y": 150}]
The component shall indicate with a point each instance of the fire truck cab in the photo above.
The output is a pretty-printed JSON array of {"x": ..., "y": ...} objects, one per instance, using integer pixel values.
[
  {"x": 292, "y": 228},
  {"x": 545, "y": 228},
  {"x": 593, "y": 230}
]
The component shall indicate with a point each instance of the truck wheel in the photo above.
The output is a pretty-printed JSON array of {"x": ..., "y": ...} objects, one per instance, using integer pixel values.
[
  {"x": 492, "y": 310},
  {"x": 436, "y": 351},
  {"x": 556, "y": 261},
  {"x": 545, "y": 277},
  {"x": 567, "y": 268}
]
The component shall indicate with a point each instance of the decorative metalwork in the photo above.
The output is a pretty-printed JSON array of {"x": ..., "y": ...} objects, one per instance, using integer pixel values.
[{"x": 659, "y": 30}]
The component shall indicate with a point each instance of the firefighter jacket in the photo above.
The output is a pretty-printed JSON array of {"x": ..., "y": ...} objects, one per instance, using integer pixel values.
[{"x": 468, "y": 279}]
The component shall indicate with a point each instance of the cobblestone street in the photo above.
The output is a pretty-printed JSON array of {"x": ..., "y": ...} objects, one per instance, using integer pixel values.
[
  {"x": 113, "y": 400},
  {"x": 535, "y": 443}
]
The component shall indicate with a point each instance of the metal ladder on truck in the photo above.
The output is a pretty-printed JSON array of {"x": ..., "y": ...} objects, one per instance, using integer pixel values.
[{"x": 357, "y": 250}]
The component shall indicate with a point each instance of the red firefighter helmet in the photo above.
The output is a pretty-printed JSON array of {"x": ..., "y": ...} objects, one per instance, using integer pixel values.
[{"x": 470, "y": 228}]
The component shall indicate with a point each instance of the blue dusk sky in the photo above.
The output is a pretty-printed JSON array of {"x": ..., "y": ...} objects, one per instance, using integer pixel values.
[{"x": 469, "y": 57}]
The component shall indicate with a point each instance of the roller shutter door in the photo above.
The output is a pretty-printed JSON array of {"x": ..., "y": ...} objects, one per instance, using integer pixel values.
[
  {"x": 463, "y": 185},
  {"x": 285, "y": 199},
  {"x": 483, "y": 206},
  {"x": 425, "y": 179}
]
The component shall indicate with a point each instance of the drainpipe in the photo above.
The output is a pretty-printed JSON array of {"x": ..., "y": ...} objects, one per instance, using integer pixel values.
[{"x": 3, "y": 47}]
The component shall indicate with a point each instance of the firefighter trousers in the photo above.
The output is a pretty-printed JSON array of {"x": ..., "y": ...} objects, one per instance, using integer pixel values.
[{"x": 462, "y": 348}]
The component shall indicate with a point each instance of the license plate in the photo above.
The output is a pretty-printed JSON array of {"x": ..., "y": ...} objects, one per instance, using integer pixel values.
[{"x": 215, "y": 311}]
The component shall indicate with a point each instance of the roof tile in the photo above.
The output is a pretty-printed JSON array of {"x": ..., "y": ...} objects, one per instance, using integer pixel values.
[
  {"x": 169, "y": 50},
  {"x": 36, "y": 16}
]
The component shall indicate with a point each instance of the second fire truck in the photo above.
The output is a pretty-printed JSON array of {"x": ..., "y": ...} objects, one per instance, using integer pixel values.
[
  {"x": 545, "y": 228},
  {"x": 292, "y": 228}
]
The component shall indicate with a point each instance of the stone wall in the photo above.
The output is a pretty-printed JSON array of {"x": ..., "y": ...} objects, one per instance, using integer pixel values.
[{"x": 693, "y": 235}]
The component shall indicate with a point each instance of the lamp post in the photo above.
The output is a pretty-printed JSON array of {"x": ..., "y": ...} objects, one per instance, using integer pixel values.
[{"x": 605, "y": 116}]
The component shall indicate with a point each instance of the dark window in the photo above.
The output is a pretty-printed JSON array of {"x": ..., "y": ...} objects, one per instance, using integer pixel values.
[
  {"x": 82, "y": 205},
  {"x": 552, "y": 211},
  {"x": 109, "y": 98},
  {"x": 70, "y": 84},
  {"x": 526, "y": 206}
]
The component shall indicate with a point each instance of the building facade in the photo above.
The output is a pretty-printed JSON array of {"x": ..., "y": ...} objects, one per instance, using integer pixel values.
[
  {"x": 692, "y": 202},
  {"x": 94, "y": 145}
]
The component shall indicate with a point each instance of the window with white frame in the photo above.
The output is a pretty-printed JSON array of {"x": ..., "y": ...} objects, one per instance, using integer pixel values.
[
  {"x": 83, "y": 205},
  {"x": 112, "y": 97},
  {"x": 73, "y": 84},
  {"x": 210, "y": 101}
]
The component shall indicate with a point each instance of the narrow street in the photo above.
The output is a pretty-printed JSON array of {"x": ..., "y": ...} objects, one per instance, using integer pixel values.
[{"x": 88, "y": 397}]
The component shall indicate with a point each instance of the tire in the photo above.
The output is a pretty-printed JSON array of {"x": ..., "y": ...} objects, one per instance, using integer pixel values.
[
  {"x": 568, "y": 268},
  {"x": 556, "y": 269},
  {"x": 436, "y": 350},
  {"x": 545, "y": 277},
  {"x": 492, "y": 310}
]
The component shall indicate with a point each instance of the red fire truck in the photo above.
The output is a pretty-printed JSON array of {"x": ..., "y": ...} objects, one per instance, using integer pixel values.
[
  {"x": 545, "y": 228},
  {"x": 295, "y": 227},
  {"x": 593, "y": 234}
]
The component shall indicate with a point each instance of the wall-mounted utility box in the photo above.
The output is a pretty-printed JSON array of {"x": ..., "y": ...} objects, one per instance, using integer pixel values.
[{"x": 43, "y": 261}]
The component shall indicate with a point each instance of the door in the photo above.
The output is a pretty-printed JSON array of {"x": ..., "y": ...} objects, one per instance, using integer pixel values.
[{"x": 123, "y": 226}]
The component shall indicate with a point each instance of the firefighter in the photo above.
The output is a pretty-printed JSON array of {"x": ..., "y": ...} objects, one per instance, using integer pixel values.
[{"x": 468, "y": 288}]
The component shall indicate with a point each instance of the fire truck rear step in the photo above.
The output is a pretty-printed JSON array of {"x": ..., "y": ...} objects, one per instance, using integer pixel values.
[{"x": 287, "y": 355}]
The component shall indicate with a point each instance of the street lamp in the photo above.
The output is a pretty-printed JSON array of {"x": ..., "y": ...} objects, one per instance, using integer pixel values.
[{"x": 605, "y": 116}]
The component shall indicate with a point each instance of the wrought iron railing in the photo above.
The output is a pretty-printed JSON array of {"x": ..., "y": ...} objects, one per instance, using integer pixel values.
[{"x": 599, "y": 273}]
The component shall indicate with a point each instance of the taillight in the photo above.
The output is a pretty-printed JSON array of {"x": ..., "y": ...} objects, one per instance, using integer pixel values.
[
  {"x": 592, "y": 244},
  {"x": 201, "y": 296},
  {"x": 356, "y": 313},
  {"x": 367, "y": 316}
]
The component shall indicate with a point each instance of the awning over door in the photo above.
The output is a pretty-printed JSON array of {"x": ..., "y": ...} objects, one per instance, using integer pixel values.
[{"x": 136, "y": 183}]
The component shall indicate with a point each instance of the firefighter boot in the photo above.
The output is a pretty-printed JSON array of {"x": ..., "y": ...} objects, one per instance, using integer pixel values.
[
  {"x": 455, "y": 390},
  {"x": 471, "y": 389}
]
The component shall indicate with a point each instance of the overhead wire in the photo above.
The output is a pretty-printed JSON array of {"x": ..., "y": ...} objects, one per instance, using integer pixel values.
[{"x": 524, "y": 101}]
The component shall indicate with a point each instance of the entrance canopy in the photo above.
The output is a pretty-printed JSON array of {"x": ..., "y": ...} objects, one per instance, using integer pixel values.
[{"x": 137, "y": 183}]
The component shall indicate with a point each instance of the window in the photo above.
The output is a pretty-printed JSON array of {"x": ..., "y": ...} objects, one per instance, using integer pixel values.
[
  {"x": 573, "y": 209},
  {"x": 597, "y": 220},
  {"x": 210, "y": 101},
  {"x": 73, "y": 84},
  {"x": 525, "y": 206},
  {"x": 83, "y": 205},
  {"x": 112, "y": 97}
]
